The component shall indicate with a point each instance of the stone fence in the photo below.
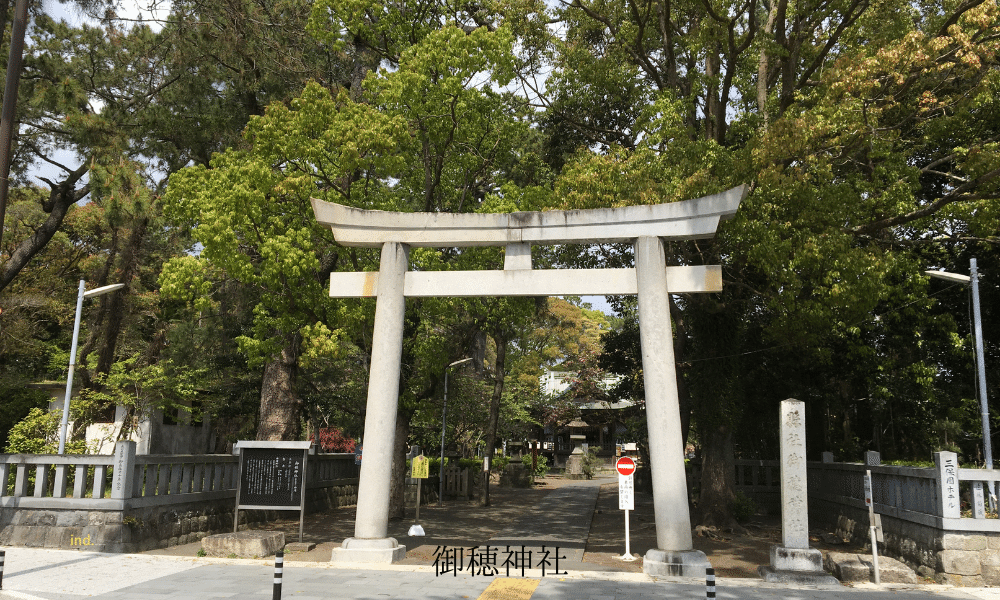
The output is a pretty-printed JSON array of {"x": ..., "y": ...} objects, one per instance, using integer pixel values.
[
  {"x": 759, "y": 480},
  {"x": 934, "y": 519},
  {"x": 97, "y": 502}
]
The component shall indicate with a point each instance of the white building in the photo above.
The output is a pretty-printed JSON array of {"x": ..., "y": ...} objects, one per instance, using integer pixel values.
[{"x": 554, "y": 383}]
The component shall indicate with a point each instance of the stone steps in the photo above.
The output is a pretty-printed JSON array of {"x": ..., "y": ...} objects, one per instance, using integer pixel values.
[{"x": 858, "y": 567}]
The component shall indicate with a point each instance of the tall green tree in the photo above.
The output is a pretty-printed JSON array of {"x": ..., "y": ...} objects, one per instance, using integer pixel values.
[{"x": 865, "y": 131}]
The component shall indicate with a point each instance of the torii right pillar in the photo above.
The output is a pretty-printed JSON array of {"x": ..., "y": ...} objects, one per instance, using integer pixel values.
[{"x": 674, "y": 554}]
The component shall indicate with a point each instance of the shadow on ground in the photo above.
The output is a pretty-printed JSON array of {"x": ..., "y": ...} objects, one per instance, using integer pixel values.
[{"x": 465, "y": 524}]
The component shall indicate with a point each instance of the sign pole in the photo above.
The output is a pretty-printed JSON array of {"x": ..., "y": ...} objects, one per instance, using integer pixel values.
[
  {"x": 626, "y": 497},
  {"x": 419, "y": 470},
  {"x": 628, "y": 548},
  {"x": 419, "y": 485},
  {"x": 872, "y": 524},
  {"x": 302, "y": 494}
]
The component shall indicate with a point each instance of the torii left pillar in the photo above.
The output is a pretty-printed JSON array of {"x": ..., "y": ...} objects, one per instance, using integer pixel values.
[{"x": 371, "y": 542}]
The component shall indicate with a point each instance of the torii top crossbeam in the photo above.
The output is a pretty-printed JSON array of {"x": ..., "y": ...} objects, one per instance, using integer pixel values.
[
  {"x": 690, "y": 219},
  {"x": 686, "y": 220}
]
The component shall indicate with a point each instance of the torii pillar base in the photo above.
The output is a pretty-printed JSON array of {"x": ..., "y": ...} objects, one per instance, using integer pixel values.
[
  {"x": 675, "y": 563},
  {"x": 380, "y": 550}
]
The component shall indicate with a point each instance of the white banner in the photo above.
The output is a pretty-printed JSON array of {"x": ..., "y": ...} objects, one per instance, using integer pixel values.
[{"x": 626, "y": 492}]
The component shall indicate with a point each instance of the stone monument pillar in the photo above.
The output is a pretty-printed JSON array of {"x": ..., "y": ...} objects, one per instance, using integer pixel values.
[
  {"x": 674, "y": 553},
  {"x": 371, "y": 543},
  {"x": 794, "y": 561}
]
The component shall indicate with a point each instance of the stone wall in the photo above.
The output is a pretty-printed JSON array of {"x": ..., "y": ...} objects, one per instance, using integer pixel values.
[
  {"x": 952, "y": 557},
  {"x": 130, "y": 530},
  {"x": 146, "y": 528}
]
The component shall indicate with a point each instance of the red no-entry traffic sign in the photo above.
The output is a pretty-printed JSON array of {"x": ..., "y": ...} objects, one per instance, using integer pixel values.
[{"x": 625, "y": 466}]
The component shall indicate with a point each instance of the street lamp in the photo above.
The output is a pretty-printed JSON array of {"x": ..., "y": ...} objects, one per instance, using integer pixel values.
[
  {"x": 444, "y": 421},
  {"x": 973, "y": 278},
  {"x": 72, "y": 353}
]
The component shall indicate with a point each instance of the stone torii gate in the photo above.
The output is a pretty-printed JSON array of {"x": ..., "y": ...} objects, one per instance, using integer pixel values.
[{"x": 651, "y": 279}]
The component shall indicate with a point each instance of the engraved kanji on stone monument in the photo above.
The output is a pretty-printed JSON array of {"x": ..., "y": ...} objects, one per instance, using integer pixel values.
[{"x": 947, "y": 466}]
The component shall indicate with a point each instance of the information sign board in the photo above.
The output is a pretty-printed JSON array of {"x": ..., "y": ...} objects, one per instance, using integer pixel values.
[
  {"x": 626, "y": 492},
  {"x": 868, "y": 489},
  {"x": 272, "y": 477},
  {"x": 421, "y": 467}
]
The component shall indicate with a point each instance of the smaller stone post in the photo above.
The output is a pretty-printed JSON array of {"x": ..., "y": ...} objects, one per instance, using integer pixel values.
[
  {"x": 948, "y": 498},
  {"x": 873, "y": 459},
  {"x": 828, "y": 457},
  {"x": 794, "y": 561},
  {"x": 121, "y": 485}
]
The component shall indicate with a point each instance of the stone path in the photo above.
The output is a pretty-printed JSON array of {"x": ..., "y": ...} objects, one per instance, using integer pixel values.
[{"x": 561, "y": 520}]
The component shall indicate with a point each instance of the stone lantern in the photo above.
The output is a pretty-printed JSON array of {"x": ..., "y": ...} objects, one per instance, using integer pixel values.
[{"x": 574, "y": 464}]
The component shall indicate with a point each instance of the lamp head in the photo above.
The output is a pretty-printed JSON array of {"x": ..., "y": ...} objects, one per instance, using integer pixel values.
[
  {"x": 103, "y": 290},
  {"x": 952, "y": 277}
]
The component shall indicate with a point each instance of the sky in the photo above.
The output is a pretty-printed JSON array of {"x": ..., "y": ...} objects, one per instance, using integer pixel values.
[{"x": 136, "y": 9}]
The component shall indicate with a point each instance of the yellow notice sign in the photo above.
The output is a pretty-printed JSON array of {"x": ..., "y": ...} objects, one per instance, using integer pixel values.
[
  {"x": 421, "y": 467},
  {"x": 509, "y": 589}
]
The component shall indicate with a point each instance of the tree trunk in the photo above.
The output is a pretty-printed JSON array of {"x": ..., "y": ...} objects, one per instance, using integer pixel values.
[
  {"x": 764, "y": 66},
  {"x": 279, "y": 404},
  {"x": 491, "y": 429},
  {"x": 131, "y": 259},
  {"x": 61, "y": 197},
  {"x": 397, "y": 502},
  {"x": 718, "y": 478},
  {"x": 680, "y": 349}
]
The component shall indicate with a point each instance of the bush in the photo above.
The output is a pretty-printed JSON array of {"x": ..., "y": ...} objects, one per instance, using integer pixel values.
[
  {"x": 591, "y": 464},
  {"x": 742, "y": 507},
  {"x": 474, "y": 465},
  {"x": 541, "y": 465},
  {"x": 499, "y": 463},
  {"x": 38, "y": 433},
  {"x": 332, "y": 439},
  {"x": 17, "y": 403}
]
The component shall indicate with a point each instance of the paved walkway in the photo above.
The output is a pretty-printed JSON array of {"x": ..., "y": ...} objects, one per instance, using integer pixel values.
[
  {"x": 560, "y": 519},
  {"x": 34, "y": 574}
]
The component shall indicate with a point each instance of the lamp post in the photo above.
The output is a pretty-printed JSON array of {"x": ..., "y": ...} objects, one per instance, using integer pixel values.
[
  {"x": 444, "y": 421},
  {"x": 72, "y": 353},
  {"x": 973, "y": 278}
]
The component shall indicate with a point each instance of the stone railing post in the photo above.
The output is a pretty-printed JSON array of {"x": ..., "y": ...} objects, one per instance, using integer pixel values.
[
  {"x": 949, "y": 505},
  {"x": 828, "y": 457},
  {"x": 124, "y": 465},
  {"x": 873, "y": 458}
]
